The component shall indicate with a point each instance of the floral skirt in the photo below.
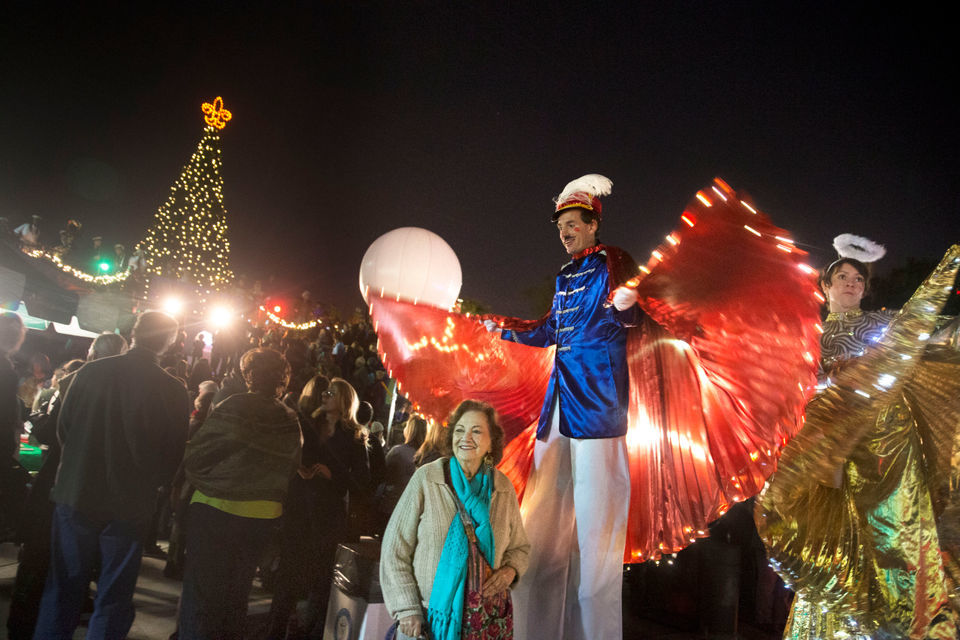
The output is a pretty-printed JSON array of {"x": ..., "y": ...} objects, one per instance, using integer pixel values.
[{"x": 484, "y": 618}]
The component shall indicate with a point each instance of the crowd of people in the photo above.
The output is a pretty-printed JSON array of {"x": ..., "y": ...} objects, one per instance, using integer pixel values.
[{"x": 275, "y": 449}]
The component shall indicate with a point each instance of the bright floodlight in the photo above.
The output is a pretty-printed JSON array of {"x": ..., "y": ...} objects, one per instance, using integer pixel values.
[
  {"x": 221, "y": 316},
  {"x": 173, "y": 306}
]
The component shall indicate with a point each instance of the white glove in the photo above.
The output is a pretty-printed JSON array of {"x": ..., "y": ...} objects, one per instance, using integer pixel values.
[
  {"x": 491, "y": 326},
  {"x": 624, "y": 298}
]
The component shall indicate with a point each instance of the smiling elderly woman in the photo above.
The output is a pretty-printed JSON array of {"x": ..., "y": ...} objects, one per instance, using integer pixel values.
[{"x": 455, "y": 543}]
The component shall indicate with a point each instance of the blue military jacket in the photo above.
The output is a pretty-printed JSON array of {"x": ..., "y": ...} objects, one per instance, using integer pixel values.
[{"x": 590, "y": 370}]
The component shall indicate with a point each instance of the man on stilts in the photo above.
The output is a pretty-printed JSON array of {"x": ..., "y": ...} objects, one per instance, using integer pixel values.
[{"x": 578, "y": 493}]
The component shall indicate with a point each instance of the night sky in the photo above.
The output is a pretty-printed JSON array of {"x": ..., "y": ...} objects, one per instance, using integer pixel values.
[{"x": 351, "y": 119}]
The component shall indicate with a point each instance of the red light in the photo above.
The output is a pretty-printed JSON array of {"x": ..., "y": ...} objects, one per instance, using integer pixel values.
[{"x": 277, "y": 308}]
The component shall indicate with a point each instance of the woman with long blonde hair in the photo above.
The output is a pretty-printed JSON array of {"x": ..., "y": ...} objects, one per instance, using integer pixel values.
[{"x": 435, "y": 445}]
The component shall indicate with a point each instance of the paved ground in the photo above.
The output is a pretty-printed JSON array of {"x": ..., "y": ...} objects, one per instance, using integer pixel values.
[
  {"x": 156, "y": 603},
  {"x": 155, "y": 598}
]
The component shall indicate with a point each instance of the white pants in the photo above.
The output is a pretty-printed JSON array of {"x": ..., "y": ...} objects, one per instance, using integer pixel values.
[{"x": 575, "y": 514}]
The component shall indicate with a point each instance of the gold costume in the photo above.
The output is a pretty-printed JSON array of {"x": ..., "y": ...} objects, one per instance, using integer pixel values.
[{"x": 858, "y": 518}]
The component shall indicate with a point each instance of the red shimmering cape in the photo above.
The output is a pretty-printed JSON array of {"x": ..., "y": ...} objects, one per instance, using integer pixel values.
[{"x": 720, "y": 370}]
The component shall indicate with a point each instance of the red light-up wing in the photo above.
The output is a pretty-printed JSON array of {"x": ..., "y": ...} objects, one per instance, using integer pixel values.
[
  {"x": 441, "y": 358},
  {"x": 722, "y": 371}
]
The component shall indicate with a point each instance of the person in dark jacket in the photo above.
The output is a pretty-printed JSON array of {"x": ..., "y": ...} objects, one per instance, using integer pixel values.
[
  {"x": 13, "y": 477},
  {"x": 35, "y": 529},
  {"x": 240, "y": 462},
  {"x": 122, "y": 429},
  {"x": 12, "y": 333},
  {"x": 302, "y": 517}
]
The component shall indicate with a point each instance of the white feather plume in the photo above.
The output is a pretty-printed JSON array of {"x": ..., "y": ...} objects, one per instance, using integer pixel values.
[
  {"x": 858, "y": 248},
  {"x": 593, "y": 183}
]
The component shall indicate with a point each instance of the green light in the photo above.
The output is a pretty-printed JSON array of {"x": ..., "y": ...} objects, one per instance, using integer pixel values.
[{"x": 104, "y": 266}]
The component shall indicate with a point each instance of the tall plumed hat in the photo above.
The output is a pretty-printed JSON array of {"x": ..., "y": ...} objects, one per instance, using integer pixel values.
[{"x": 584, "y": 193}]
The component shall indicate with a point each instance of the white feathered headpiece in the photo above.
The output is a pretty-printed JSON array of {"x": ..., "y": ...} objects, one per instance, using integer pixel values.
[
  {"x": 584, "y": 192},
  {"x": 858, "y": 248},
  {"x": 592, "y": 183}
]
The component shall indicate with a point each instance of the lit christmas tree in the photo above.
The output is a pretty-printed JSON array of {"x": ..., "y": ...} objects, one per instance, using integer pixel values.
[{"x": 188, "y": 240}]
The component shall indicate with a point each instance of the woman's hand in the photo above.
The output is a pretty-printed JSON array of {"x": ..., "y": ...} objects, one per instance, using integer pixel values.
[
  {"x": 309, "y": 472},
  {"x": 500, "y": 580},
  {"x": 304, "y": 472},
  {"x": 411, "y": 625}
]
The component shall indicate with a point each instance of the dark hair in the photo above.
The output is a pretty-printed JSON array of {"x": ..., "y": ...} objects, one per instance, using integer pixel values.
[
  {"x": 154, "y": 331},
  {"x": 589, "y": 216},
  {"x": 200, "y": 372},
  {"x": 311, "y": 397},
  {"x": 67, "y": 368},
  {"x": 826, "y": 276},
  {"x": 12, "y": 332},
  {"x": 265, "y": 371},
  {"x": 496, "y": 431},
  {"x": 72, "y": 366},
  {"x": 364, "y": 413}
]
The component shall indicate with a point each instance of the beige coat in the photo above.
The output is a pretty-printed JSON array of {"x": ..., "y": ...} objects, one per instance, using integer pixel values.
[{"x": 418, "y": 527}]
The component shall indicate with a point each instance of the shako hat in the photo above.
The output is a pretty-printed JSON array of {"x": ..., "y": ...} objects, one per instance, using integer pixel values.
[{"x": 583, "y": 193}]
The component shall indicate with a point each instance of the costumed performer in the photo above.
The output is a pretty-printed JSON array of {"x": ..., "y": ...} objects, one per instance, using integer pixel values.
[
  {"x": 455, "y": 543},
  {"x": 851, "y": 516},
  {"x": 578, "y": 492}
]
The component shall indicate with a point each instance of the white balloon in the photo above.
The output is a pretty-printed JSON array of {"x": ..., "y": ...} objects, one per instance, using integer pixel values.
[{"x": 412, "y": 264}]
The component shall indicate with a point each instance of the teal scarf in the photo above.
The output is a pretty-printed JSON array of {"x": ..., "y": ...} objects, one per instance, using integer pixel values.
[{"x": 445, "y": 612}]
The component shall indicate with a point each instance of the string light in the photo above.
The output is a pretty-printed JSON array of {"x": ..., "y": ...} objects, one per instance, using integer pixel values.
[
  {"x": 298, "y": 326},
  {"x": 77, "y": 273},
  {"x": 445, "y": 345}
]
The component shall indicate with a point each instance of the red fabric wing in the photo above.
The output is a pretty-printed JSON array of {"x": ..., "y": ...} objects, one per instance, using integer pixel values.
[
  {"x": 721, "y": 373},
  {"x": 441, "y": 358}
]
